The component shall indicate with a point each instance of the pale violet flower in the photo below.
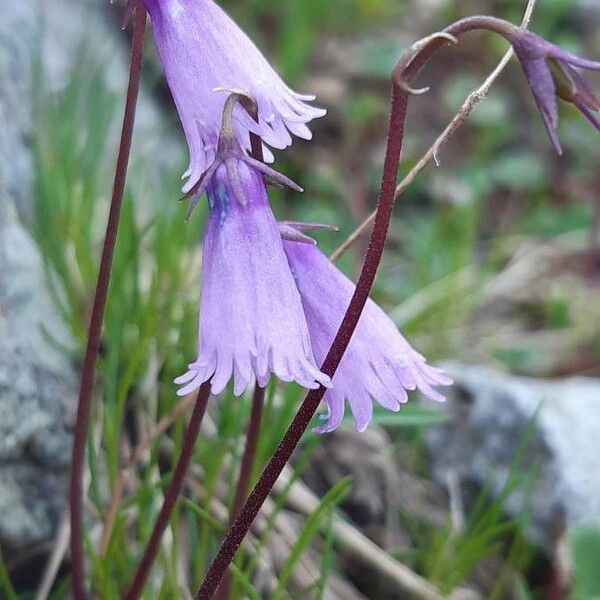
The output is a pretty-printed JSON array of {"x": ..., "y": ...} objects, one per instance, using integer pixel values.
[
  {"x": 251, "y": 322},
  {"x": 378, "y": 365},
  {"x": 202, "y": 50}
]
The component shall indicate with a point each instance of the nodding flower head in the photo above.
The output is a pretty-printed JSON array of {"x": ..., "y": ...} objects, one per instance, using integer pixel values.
[
  {"x": 378, "y": 365},
  {"x": 201, "y": 49},
  {"x": 251, "y": 320},
  {"x": 551, "y": 73}
]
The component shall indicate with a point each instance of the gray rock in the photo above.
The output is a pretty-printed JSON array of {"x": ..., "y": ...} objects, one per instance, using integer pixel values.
[
  {"x": 587, "y": 8},
  {"x": 37, "y": 397},
  {"x": 490, "y": 415},
  {"x": 19, "y": 30},
  {"x": 69, "y": 26},
  {"x": 38, "y": 385}
]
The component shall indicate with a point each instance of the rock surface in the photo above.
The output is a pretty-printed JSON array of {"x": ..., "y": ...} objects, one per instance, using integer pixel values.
[
  {"x": 37, "y": 396},
  {"x": 489, "y": 418},
  {"x": 37, "y": 384},
  {"x": 19, "y": 30}
]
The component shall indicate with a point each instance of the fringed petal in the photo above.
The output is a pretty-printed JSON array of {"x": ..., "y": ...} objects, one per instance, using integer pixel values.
[
  {"x": 251, "y": 317},
  {"x": 202, "y": 49},
  {"x": 379, "y": 364}
]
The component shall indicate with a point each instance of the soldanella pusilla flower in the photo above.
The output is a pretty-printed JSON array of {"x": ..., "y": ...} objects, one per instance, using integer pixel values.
[
  {"x": 551, "y": 74},
  {"x": 271, "y": 302},
  {"x": 272, "y": 306},
  {"x": 379, "y": 364},
  {"x": 251, "y": 320},
  {"x": 202, "y": 50}
]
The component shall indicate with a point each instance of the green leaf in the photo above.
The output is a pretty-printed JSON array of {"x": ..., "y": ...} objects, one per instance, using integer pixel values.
[
  {"x": 240, "y": 578},
  {"x": 584, "y": 543},
  {"x": 521, "y": 588},
  {"x": 312, "y": 525},
  {"x": 204, "y": 515},
  {"x": 410, "y": 415},
  {"x": 326, "y": 560},
  {"x": 522, "y": 171}
]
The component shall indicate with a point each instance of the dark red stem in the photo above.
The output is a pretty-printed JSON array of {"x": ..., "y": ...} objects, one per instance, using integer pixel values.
[
  {"x": 95, "y": 328},
  {"x": 249, "y": 451},
  {"x": 409, "y": 65},
  {"x": 172, "y": 493},
  {"x": 246, "y": 516},
  {"x": 241, "y": 489}
]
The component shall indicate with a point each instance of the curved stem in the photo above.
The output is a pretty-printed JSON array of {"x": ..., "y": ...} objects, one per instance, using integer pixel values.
[
  {"x": 95, "y": 328},
  {"x": 172, "y": 493},
  {"x": 243, "y": 521},
  {"x": 459, "y": 118},
  {"x": 241, "y": 489}
]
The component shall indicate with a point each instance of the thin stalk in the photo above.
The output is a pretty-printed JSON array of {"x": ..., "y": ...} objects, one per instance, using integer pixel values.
[
  {"x": 95, "y": 327},
  {"x": 241, "y": 489},
  {"x": 137, "y": 455},
  {"x": 172, "y": 493},
  {"x": 252, "y": 436},
  {"x": 473, "y": 99},
  {"x": 259, "y": 494}
]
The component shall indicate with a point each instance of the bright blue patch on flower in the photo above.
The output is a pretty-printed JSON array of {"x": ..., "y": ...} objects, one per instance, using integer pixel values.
[{"x": 218, "y": 199}]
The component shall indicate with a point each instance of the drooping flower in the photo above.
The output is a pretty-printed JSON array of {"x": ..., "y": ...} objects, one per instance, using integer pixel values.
[
  {"x": 251, "y": 319},
  {"x": 551, "y": 74},
  {"x": 378, "y": 365},
  {"x": 202, "y": 49}
]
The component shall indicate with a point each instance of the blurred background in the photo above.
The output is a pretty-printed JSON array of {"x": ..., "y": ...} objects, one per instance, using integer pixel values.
[{"x": 492, "y": 269}]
